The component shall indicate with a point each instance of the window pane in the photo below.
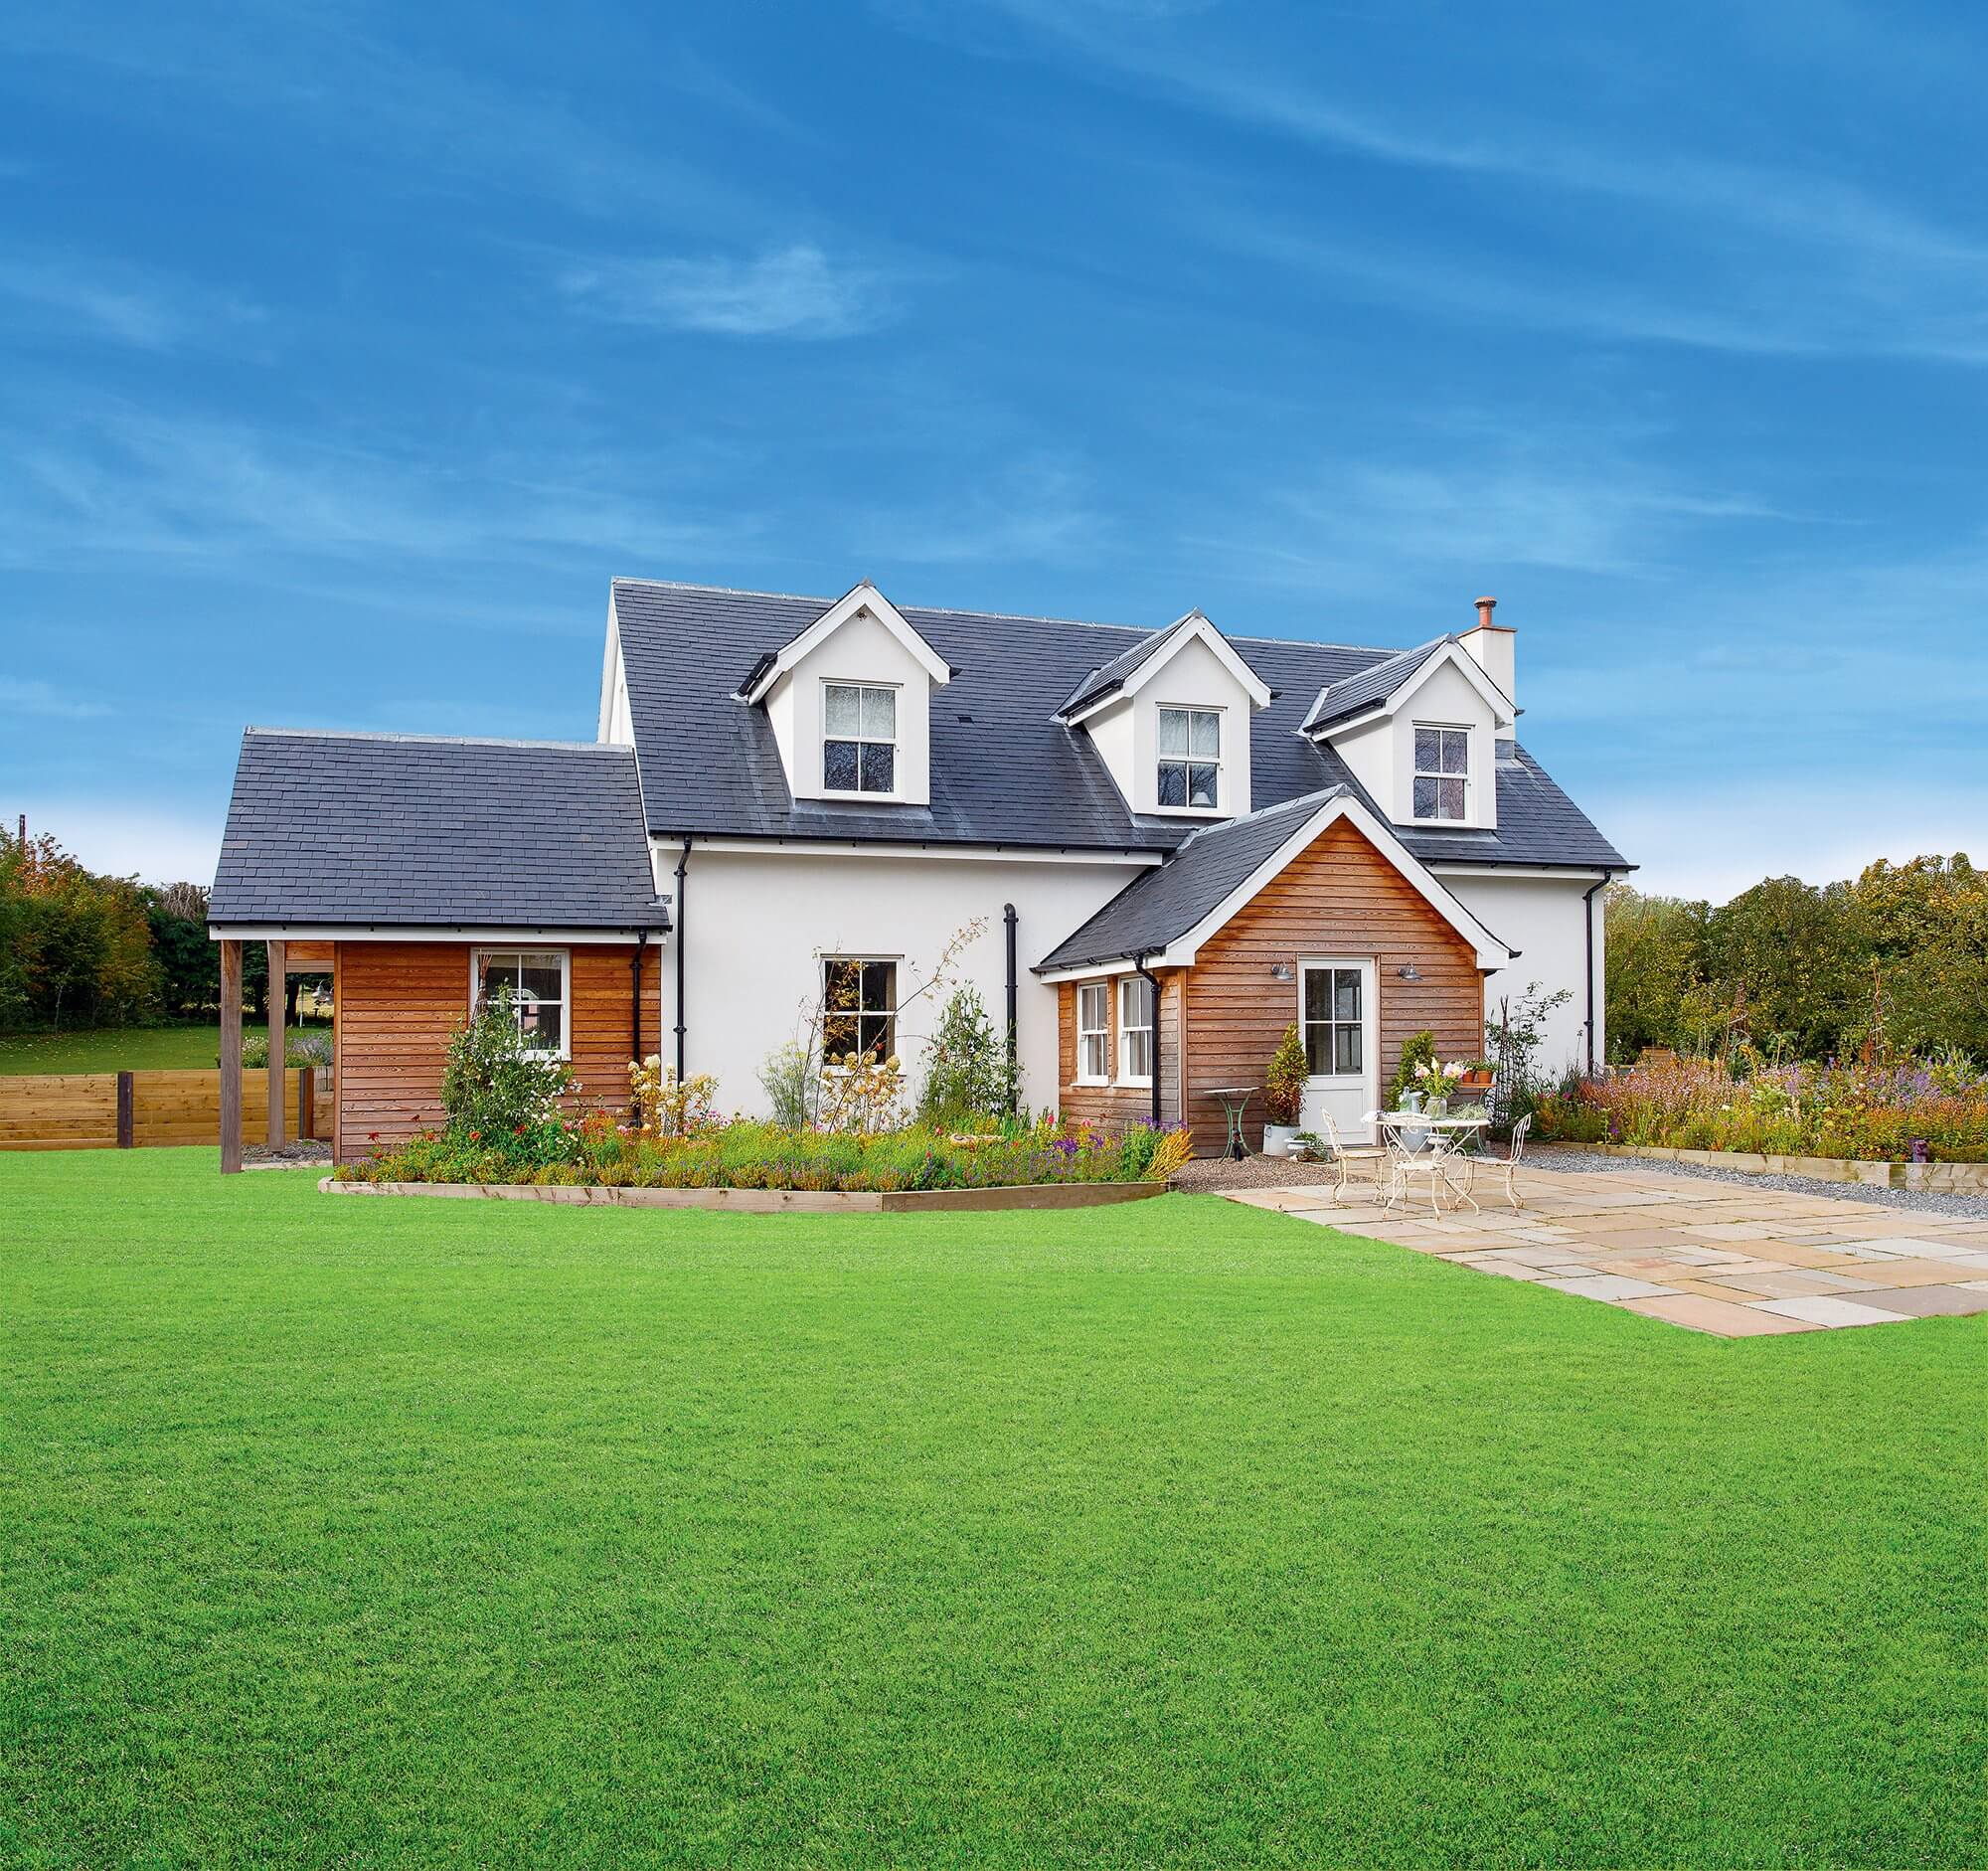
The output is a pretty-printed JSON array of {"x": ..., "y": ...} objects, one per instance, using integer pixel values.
[
  {"x": 838, "y": 1035},
  {"x": 880, "y": 713},
  {"x": 872, "y": 1035},
  {"x": 1173, "y": 784},
  {"x": 1136, "y": 1009},
  {"x": 498, "y": 973},
  {"x": 1206, "y": 733},
  {"x": 1173, "y": 731},
  {"x": 1093, "y": 1066},
  {"x": 1425, "y": 798},
  {"x": 1318, "y": 985},
  {"x": 1139, "y": 1055},
  {"x": 1348, "y": 1048},
  {"x": 1450, "y": 798},
  {"x": 1455, "y": 751},
  {"x": 880, "y": 986},
  {"x": 541, "y": 1024},
  {"x": 1201, "y": 786},
  {"x": 1090, "y": 1005},
  {"x": 538, "y": 983},
  {"x": 845, "y": 707},
  {"x": 876, "y": 769},
  {"x": 1346, "y": 994},
  {"x": 838, "y": 764},
  {"x": 1429, "y": 750},
  {"x": 1318, "y": 1050}
]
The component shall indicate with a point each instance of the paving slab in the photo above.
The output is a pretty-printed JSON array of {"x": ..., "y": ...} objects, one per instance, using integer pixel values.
[
  {"x": 1820, "y": 1309},
  {"x": 1926, "y": 1303},
  {"x": 1718, "y": 1316}
]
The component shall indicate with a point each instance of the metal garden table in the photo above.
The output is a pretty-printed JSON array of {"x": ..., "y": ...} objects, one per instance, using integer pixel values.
[{"x": 1234, "y": 1100}]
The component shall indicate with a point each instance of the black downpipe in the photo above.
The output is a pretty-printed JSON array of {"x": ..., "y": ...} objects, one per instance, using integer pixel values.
[
  {"x": 1587, "y": 903},
  {"x": 1013, "y": 1064},
  {"x": 677, "y": 916},
  {"x": 635, "y": 1009},
  {"x": 1139, "y": 967}
]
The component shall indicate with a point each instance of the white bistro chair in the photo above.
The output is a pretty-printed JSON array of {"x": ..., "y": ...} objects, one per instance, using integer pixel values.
[
  {"x": 1491, "y": 1165},
  {"x": 1430, "y": 1162},
  {"x": 1373, "y": 1157}
]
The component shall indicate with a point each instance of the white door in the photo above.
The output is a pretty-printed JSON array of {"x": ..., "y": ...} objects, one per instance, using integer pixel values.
[{"x": 1336, "y": 1023}]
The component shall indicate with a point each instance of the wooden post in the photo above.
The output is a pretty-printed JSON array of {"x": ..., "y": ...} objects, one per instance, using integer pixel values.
[
  {"x": 306, "y": 1103},
  {"x": 231, "y": 1057},
  {"x": 127, "y": 1111},
  {"x": 279, "y": 1049}
]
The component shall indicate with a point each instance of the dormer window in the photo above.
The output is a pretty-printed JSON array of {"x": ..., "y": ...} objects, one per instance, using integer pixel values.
[
  {"x": 1190, "y": 758},
  {"x": 859, "y": 747},
  {"x": 1442, "y": 773}
]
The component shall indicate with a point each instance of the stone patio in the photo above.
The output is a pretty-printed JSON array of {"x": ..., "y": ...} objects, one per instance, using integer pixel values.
[{"x": 1707, "y": 1256}]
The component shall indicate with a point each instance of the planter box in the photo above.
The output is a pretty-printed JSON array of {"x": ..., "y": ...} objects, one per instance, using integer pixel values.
[
  {"x": 1023, "y": 1195},
  {"x": 1279, "y": 1138},
  {"x": 1928, "y": 1178}
]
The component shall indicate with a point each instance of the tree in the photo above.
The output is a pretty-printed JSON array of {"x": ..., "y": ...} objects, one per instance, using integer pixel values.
[{"x": 1655, "y": 955}]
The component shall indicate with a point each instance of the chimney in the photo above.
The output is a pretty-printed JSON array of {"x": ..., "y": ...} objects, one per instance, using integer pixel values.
[{"x": 1495, "y": 647}]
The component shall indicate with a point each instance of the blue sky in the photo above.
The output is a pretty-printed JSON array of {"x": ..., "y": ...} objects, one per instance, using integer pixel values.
[{"x": 346, "y": 354}]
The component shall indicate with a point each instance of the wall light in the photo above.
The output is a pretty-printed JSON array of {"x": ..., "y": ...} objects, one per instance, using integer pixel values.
[
  {"x": 1282, "y": 971},
  {"x": 1409, "y": 972}
]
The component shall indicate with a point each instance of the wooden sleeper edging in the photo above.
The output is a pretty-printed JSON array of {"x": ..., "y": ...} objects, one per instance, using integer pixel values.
[
  {"x": 1926, "y": 1178},
  {"x": 1005, "y": 1196}
]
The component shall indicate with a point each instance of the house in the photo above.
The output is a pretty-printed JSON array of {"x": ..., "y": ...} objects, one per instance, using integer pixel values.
[{"x": 1160, "y": 848}]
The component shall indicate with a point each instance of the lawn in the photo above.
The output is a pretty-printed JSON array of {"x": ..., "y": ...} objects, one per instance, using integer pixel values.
[
  {"x": 456, "y": 1532},
  {"x": 122, "y": 1048}
]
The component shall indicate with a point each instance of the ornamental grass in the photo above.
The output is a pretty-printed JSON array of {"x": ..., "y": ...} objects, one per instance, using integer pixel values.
[{"x": 1866, "y": 1113}]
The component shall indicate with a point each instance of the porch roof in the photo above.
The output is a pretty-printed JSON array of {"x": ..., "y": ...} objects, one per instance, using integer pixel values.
[{"x": 427, "y": 831}]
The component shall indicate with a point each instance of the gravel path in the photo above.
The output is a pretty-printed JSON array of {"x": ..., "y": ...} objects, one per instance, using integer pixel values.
[{"x": 1962, "y": 1206}]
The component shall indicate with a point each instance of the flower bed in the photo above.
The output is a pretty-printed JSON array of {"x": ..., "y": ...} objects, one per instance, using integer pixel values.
[
  {"x": 598, "y": 1152},
  {"x": 1864, "y": 1113}
]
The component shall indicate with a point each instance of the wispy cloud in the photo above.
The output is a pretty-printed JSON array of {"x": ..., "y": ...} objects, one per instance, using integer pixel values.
[
  {"x": 19, "y": 697},
  {"x": 122, "y": 303},
  {"x": 787, "y": 292}
]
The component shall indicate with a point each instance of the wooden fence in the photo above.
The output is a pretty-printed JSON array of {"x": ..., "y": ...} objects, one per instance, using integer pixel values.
[{"x": 97, "y": 1110}]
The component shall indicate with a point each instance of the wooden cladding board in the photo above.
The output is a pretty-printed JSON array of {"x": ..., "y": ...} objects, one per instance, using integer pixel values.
[
  {"x": 398, "y": 1003},
  {"x": 308, "y": 957},
  {"x": 1339, "y": 900},
  {"x": 1117, "y": 1105},
  {"x": 79, "y": 1111}
]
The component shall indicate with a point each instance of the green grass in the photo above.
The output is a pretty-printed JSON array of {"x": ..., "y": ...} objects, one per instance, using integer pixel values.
[
  {"x": 122, "y": 1048},
  {"x": 367, "y": 1531}
]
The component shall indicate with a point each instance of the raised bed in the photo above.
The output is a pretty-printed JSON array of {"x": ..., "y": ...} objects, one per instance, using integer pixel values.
[
  {"x": 1926, "y": 1178},
  {"x": 1027, "y": 1195}
]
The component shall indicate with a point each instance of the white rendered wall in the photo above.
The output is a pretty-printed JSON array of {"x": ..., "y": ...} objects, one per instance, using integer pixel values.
[
  {"x": 1543, "y": 917},
  {"x": 757, "y": 922}
]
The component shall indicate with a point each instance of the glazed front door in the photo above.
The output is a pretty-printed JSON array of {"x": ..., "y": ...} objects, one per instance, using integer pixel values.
[{"x": 1336, "y": 1023}]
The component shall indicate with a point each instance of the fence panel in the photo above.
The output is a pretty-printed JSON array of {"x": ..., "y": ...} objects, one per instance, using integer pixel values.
[{"x": 78, "y": 1110}]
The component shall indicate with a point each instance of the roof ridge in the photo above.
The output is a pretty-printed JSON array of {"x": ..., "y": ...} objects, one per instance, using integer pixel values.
[
  {"x": 1017, "y": 617},
  {"x": 1314, "y": 798},
  {"x": 442, "y": 740}
]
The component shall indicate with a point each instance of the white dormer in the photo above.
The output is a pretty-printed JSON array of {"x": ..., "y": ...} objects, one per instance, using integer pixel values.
[
  {"x": 1420, "y": 731},
  {"x": 1170, "y": 717},
  {"x": 850, "y": 703}
]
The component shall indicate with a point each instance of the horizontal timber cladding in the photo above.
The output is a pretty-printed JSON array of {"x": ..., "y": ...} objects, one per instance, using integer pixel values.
[
  {"x": 308, "y": 957},
  {"x": 79, "y": 1111},
  {"x": 1117, "y": 1105},
  {"x": 1339, "y": 900},
  {"x": 398, "y": 1003}
]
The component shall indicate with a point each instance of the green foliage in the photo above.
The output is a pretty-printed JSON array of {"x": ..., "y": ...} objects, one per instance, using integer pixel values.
[
  {"x": 495, "y": 1086},
  {"x": 792, "y": 1079},
  {"x": 1893, "y": 962},
  {"x": 1417, "y": 1050},
  {"x": 1284, "y": 1079},
  {"x": 750, "y": 1155},
  {"x": 75, "y": 949},
  {"x": 966, "y": 1066},
  {"x": 299, "y": 1049}
]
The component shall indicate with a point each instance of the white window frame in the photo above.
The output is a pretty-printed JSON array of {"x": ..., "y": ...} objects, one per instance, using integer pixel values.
[
  {"x": 477, "y": 957},
  {"x": 1102, "y": 1032},
  {"x": 895, "y": 690},
  {"x": 1129, "y": 986},
  {"x": 1189, "y": 709},
  {"x": 1415, "y": 771},
  {"x": 859, "y": 1011}
]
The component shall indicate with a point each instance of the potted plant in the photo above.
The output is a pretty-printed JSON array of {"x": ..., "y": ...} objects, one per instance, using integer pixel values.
[{"x": 1284, "y": 1093}]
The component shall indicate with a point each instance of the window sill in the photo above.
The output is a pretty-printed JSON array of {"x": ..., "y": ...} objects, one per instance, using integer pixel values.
[
  {"x": 1191, "y": 811},
  {"x": 1134, "y": 1084},
  {"x": 1091, "y": 1085}
]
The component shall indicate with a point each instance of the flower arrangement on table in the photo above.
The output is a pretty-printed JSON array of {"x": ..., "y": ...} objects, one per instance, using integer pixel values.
[{"x": 1436, "y": 1080}]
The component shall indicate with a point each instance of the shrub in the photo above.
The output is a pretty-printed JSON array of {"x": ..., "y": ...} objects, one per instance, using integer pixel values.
[
  {"x": 1284, "y": 1079},
  {"x": 299, "y": 1049},
  {"x": 1418, "y": 1050},
  {"x": 671, "y": 1107},
  {"x": 792, "y": 1079},
  {"x": 966, "y": 1068},
  {"x": 494, "y": 1084}
]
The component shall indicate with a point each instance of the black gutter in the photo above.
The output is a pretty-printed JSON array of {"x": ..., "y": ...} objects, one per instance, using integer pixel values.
[
  {"x": 677, "y": 917},
  {"x": 1139, "y": 967},
  {"x": 1587, "y": 904},
  {"x": 1014, "y": 1073}
]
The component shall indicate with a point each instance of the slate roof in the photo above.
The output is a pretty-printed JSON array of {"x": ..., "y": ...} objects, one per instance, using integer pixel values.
[
  {"x": 1354, "y": 694},
  {"x": 1107, "y": 677},
  {"x": 1163, "y": 904},
  {"x": 405, "y": 829},
  {"x": 1005, "y": 771}
]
